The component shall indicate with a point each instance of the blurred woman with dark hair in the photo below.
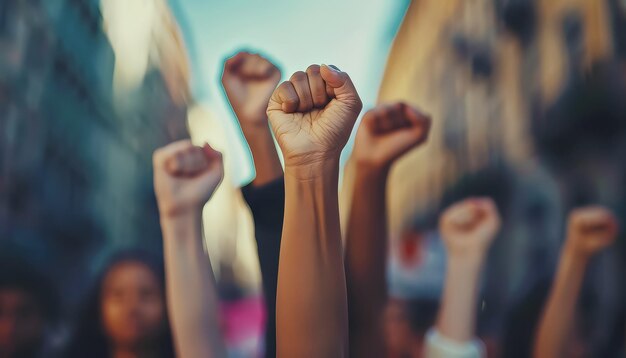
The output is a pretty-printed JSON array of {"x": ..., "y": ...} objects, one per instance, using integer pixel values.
[{"x": 125, "y": 314}]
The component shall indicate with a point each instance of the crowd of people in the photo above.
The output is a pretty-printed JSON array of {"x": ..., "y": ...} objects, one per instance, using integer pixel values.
[{"x": 326, "y": 293}]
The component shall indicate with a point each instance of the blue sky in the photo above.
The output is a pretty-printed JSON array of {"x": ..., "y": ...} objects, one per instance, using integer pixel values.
[{"x": 355, "y": 35}]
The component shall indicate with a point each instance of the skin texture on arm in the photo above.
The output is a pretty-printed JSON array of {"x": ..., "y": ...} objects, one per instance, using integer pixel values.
[
  {"x": 249, "y": 81},
  {"x": 185, "y": 177},
  {"x": 312, "y": 115},
  {"x": 467, "y": 230},
  {"x": 589, "y": 231},
  {"x": 385, "y": 134}
]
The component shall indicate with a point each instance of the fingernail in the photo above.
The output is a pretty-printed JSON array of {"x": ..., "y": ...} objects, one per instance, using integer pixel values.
[{"x": 334, "y": 68}]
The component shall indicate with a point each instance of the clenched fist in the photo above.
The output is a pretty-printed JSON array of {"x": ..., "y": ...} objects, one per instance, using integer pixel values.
[
  {"x": 185, "y": 177},
  {"x": 249, "y": 81},
  {"x": 387, "y": 132},
  {"x": 312, "y": 115},
  {"x": 470, "y": 226},
  {"x": 590, "y": 230}
]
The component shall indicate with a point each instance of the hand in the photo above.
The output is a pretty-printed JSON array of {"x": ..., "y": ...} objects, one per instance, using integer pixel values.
[
  {"x": 185, "y": 177},
  {"x": 387, "y": 132},
  {"x": 312, "y": 115},
  {"x": 590, "y": 230},
  {"x": 470, "y": 226},
  {"x": 249, "y": 81}
]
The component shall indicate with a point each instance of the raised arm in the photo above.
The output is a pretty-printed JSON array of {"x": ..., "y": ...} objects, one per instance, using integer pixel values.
[
  {"x": 185, "y": 177},
  {"x": 589, "y": 230},
  {"x": 312, "y": 115},
  {"x": 249, "y": 81},
  {"x": 467, "y": 230},
  {"x": 385, "y": 134}
]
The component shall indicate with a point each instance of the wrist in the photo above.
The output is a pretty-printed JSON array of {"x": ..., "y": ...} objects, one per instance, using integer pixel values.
[
  {"x": 372, "y": 171},
  {"x": 573, "y": 255},
  {"x": 254, "y": 125},
  {"x": 319, "y": 169},
  {"x": 467, "y": 259},
  {"x": 173, "y": 214}
]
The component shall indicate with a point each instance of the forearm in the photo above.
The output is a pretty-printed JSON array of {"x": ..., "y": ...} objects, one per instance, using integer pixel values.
[
  {"x": 457, "y": 315},
  {"x": 311, "y": 305},
  {"x": 266, "y": 161},
  {"x": 191, "y": 294},
  {"x": 560, "y": 310},
  {"x": 366, "y": 252}
]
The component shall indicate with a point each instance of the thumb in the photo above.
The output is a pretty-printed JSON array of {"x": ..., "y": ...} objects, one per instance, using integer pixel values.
[{"x": 342, "y": 86}]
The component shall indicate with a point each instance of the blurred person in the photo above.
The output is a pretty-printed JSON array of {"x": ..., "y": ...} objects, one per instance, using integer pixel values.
[
  {"x": 467, "y": 229},
  {"x": 249, "y": 80},
  {"x": 589, "y": 231},
  {"x": 312, "y": 116},
  {"x": 185, "y": 178},
  {"x": 386, "y": 133},
  {"x": 28, "y": 309},
  {"x": 125, "y": 315}
]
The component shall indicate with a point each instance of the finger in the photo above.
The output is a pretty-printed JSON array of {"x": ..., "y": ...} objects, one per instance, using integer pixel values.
[
  {"x": 196, "y": 162},
  {"x": 185, "y": 161},
  {"x": 285, "y": 96},
  {"x": 265, "y": 68},
  {"x": 487, "y": 209},
  {"x": 249, "y": 68},
  {"x": 210, "y": 153},
  {"x": 462, "y": 214},
  {"x": 385, "y": 119},
  {"x": 317, "y": 86},
  {"x": 300, "y": 82},
  {"x": 597, "y": 220},
  {"x": 342, "y": 86},
  {"x": 370, "y": 120},
  {"x": 330, "y": 92},
  {"x": 418, "y": 119},
  {"x": 232, "y": 64},
  {"x": 397, "y": 117},
  {"x": 161, "y": 155},
  {"x": 216, "y": 160},
  {"x": 174, "y": 164}
]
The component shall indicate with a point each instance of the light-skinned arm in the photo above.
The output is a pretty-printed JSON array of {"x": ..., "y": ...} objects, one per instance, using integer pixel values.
[
  {"x": 467, "y": 229},
  {"x": 185, "y": 177}
]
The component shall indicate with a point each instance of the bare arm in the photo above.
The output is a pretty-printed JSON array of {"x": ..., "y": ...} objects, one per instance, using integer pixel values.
[
  {"x": 386, "y": 133},
  {"x": 467, "y": 229},
  {"x": 249, "y": 81},
  {"x": 312, "y": 115},
  {"x": 589, "y": 231},
  {"x": 185, "y": 178}
]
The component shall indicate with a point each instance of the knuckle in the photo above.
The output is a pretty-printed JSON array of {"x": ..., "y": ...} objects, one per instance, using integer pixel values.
[
  {"x": 298, "y": 76},
  {"x": 313, "y": 69}
]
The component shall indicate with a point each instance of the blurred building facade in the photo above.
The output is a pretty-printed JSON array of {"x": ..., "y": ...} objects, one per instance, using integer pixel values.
[
  {"x": 525, "y": 99},
  {"x": 75, "y": 167}
]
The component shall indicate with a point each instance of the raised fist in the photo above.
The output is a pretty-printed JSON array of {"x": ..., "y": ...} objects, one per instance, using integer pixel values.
[
  {"x": 312, "y": 115},
  {"x": 249, "y": 81},
  {"x": 590, "y": 230},
  {"x": 387, "y": 132},
  {"x": 469, "y": 227},
  {"x": 185, "y": 177}
]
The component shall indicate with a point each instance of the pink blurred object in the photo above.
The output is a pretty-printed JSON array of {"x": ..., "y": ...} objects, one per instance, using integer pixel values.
[{"x": 243, "y": 324}]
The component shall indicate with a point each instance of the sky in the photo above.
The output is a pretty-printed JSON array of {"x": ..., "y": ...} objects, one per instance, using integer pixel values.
[{"x": 354, "y": 35}]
